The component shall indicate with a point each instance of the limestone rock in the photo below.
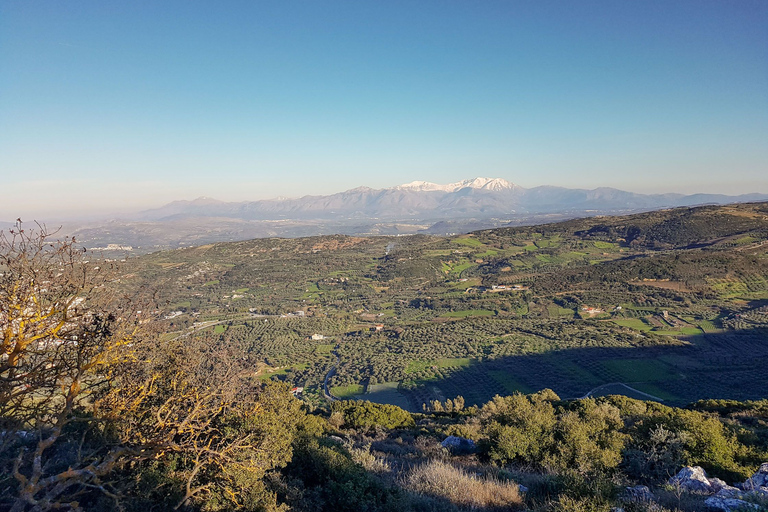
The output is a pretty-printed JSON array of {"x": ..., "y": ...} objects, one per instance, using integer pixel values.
[
  {"x": 718, "y": 484},
  {"x": 729, "y": 504},
  {"x": 694, "y": 479},
  {"x": 725, "y": 497},
  {"x": 638, "y": 494},
  {"x": 730, "y": 492},
  {"x": 458, "y": 444},
  {"x": 758, "y": 480}
]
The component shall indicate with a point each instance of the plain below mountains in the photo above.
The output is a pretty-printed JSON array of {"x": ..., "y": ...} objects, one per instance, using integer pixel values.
[{"x": 417, "y": 207}]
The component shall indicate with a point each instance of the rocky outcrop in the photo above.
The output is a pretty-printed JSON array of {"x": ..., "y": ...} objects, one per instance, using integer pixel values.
[
  {"x": 725, "y": 498},
  {"x": 638, "y": 494},
  {"x": 729, "y": 504},
  {"x": 694, "y": 479},
  {"x": 758, "y": 480},
  {"x": 456, "y": 444}
]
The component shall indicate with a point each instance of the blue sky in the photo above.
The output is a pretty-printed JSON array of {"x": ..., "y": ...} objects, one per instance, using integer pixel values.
[{"x": 124, "y": 105}]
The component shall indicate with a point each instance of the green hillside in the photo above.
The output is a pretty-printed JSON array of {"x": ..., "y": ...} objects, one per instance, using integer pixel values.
[{"x": 566, "y": 306}]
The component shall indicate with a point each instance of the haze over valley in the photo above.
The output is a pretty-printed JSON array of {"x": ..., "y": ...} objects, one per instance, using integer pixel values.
[
  {"x": 345, "y": 256},
  {"x": 411, "y": 208}
]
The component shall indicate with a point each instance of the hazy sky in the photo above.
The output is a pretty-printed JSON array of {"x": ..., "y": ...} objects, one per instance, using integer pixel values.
[{"x": 124, "y": 105}]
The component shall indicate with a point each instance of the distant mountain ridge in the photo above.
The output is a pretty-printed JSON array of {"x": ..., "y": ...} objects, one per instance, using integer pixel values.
[
  {"x": 475, "y": 198},
  {"x": 411, "y": 208}
]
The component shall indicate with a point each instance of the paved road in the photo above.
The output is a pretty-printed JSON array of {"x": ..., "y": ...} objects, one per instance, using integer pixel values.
[
  {"x": 211, "y": 323},
  {"x": 589, "y": 393},
  {"x": 328, "y": 375},
  {"x": 200, "y": 327}
]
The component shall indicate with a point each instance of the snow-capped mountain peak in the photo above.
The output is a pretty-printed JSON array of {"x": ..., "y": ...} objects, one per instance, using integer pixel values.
[
  {"x": 494, "y": 184},
  {"x": 423, "y": 186},
  {"x": 488, "y": 184}
]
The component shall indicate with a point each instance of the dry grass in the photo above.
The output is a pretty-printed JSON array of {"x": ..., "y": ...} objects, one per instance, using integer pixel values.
[
  {"x": 368, "y": 460},
  {"x": 443, "y": 480}
]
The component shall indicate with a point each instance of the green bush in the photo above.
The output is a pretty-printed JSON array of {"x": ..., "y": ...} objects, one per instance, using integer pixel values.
[
  {"x": 519, "y": 428},
  {"x": 325, "y": 478},
  {"x": 367, "y": 415},
  {"x": 582, "y": 436},
  {"x": 665, "y": 438}
]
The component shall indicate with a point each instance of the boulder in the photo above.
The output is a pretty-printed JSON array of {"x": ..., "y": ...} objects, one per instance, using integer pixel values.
[
  {"x": 718, "y": 484},
  {"x": 457, "y": 444},
  {"x": 729, "y": 504},
  {"x": 758, "y": 480},
  {"x": 638, "y": 494},
  {"x": 730, "y": 492},
  {"x": 694, "y": 479}
]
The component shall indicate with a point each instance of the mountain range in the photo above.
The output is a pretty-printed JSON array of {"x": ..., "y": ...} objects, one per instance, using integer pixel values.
[
  {"x": 420, "y": 200},
  {"x": 416, "y": 207}
]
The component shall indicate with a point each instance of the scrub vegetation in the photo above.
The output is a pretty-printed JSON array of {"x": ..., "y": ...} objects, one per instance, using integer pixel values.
[{"x": 323, "y": 373}]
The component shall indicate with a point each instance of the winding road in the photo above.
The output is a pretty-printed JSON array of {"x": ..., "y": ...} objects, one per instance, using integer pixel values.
[
  {"x": 328, "y": 375},
  {"x": 598, "y": 388}
]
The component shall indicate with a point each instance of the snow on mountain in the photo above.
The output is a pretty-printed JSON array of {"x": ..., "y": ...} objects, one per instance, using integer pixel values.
[
  {"x": 494, "y": 184},
  {"x": 468, "y": 199},
  {"x": 423, "y": 186}
]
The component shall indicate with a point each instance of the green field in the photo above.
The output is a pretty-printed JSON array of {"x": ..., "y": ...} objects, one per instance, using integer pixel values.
[
  {"x": 468, "y": 242},
  {"x": 683, "y": 331},
  {"x": 558, "y": 312},
  {"x": 654, "y": 390},
  {"x": 385, "y": 393},
  {"x": 416, "y": 366},
  {"x": 283, "y": 371},
  {"x": 350, "y": 391},
  {"x": 508, "y": 381},
  {"x": 457, "y": 362},
  {"x": 639, "y": 370},
  {"x": 632, "y": 323},
  {"x": 459, "y": 268}
]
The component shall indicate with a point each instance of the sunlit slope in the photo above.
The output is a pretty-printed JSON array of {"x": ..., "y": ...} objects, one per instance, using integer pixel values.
[{"x": 671, "y": 303}]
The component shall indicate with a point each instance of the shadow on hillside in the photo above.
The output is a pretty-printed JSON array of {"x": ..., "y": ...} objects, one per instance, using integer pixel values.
[{"x": 730, "y": 365}]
